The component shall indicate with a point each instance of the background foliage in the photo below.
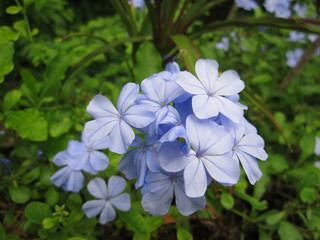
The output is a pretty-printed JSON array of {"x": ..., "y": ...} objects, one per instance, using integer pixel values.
[{"x": 55, "y": 55}]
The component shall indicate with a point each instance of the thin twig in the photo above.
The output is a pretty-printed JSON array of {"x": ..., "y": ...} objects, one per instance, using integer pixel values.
[{"x": 304, "y": 59}]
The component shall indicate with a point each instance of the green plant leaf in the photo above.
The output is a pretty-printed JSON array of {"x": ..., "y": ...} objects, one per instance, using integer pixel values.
[
  {"x": 30, "y": 82},
  {"x": 289, "y": 231},
  {"x": 37, "y": 211},
  {"x": 52, "y": 196},
  {"x": 307, "y": 145},
  {"x": 253, "y": 202},
  {"x": 13, "y": 10},
  {"x": 59, "y": 128},
  {"x": 48, "y": 223},
  {"x": 278, "y": 162},
  {"x": 11, "y": 98},
  {"x": 227, "y": 200},
  {"x": 28, "y": 123},
  {"x": 8, "y": 34},
  {"x": 308, "y": 195},
  {"x": 188, "y": 51},
  {"x": 21, "y": 27},
  {"x": 2, "y": 232},
  {"x": 275, "y": 218},
  {"x": 135, "y": 221},
  {"x": 183, "y": 234},
  {"x": 6, "y": 61},
  {"x": 149, "y": 61},
  {"x": 20, "y": 194}
]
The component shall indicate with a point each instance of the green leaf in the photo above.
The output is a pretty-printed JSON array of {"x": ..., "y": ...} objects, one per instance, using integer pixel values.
[
  {"x": 278, "y": 163},
  {"x": 154, "y": 222},
  {"x": 308, "y": 195},
  {"x": 31, "y": 176},
  {"x": 28, "y": 123},
  {"x": 2, "y": 232},
  {"x": 183, "y": 234},
  {"x": 263, "y": 235},
  {"x": 21, "y": 27},
  {"x": 13, "y": 10},
  {"x": 37, "y": 211},
  {"x": 11, "y": 98},
  {"x": 307, "y": 145},
  {"x": 48, "y": 223},
  {"x": 52, "y": 196},
  {"x": 135, "y": 221},
  {"x": 226, "y": 200},
  {"x": 274, "y": 218},
  {"x": 188, "y": 51},
  {"x": 6, "y": 61},
  {"x": 149, "y": 61},
  {"x": 253, "y": 202},
  {"x": 8, "y": 34},
  {"x": 289, "y": 231},
  {"x": 20, "y": 194},
  {"x": 30, "y": 82},
  {"x": 59, "y": 128}
]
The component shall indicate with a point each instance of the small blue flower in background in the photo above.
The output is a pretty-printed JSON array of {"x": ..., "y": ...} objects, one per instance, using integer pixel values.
[
  {"x": 116, "y": 123},
  {"x": 317, "y": 146},
  {"x": 70, "y": 180},
  {"x": 293, "y": 57},
  {"x": 5, "y": 165},
  {"x": 300, "y": 10},
  {"x": 313, "y": 37},
  {"x": 295, "y": 36},
  {"x": 109, "y": 197},
  {"x": 209, "y": 90},
  {"x": 247, "y": 4},
  {"x": 40, "y": 153},
  {"x": 281, "y": 8},
  {"x": 224, "y": 44},
  {"x": 137, "y": 3},
  {"x": 317, "y": 164},
  {"x": 160, "y": 189}
]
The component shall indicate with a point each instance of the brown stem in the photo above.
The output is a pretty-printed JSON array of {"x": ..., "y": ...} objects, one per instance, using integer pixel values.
[{"x": 304, "y": 59}]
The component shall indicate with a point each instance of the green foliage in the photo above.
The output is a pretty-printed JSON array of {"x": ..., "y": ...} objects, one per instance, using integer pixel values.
[
  {"x": 20, "y": 194},
  {"x": 37, "y": 211}
]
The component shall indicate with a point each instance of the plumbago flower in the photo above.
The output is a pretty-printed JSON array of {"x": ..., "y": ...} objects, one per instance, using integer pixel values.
[
  {"x": 247, "y": 4},
  {"x": 109, "y": 197},
  {"x": 294, "y": 56},
  {"x": 79, "y": 156},
  {"x": 281, "y": 8}
]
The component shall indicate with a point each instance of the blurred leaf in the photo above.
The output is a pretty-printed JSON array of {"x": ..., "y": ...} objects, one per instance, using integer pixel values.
[
  {"x": 288, "y": 231},
  {"x": 30, "y": 82},
  {"x": 11, "y": 98},
  {"x": 59, "y": 128},
  {"x": 31, "y": 176},
  {"x": 253, "y": 202},
  {"x": 308, "y": 195},
  {"x": 182, "y": 233},
  {"x": 6, "y": 61},
  {"x": 48, "y": 223},
  {"x": 8, "y": 34},
  {"x": 74, "y": 201},
  {"x": 28, "y": 123},
  {"x": 278, "y": 162},
  {"x": 20, "y": 194},
  {"x": 262, "y": 185},
  {"x": 307, "y": 145},
  {"x": 149, "y": 61},
  {"x": 226, "y": 200},
  {"x": 188, "y": 51},
  {"x": 276, "y": 217},
  {"x": 154, "y": 222},
  {"x": 37, "y": 211},
  {"x": 135, "y": 221},
  {"x": 261, "y": 78},
  {"x": 21, "y": 27},
  {"x": 52, "y": 196},
  {"x": 13, "y": 10},
  {"x": 263, "y": 235},
  {"x": 2, "y": 232}
]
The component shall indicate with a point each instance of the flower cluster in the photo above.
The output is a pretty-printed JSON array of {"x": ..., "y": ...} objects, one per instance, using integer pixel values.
[
  {"x": 247, "y": 4},
  {"x": 183, "y": 132},
  {"x": 281, "y": 8}
]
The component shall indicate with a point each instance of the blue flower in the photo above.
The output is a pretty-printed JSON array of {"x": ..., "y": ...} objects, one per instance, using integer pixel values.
[
  {"x": 160, "y": 189},
  {"x": 210, "y": 155},
  {"x": 293, "y": 57},
  {"x": 70, "y": 180},
  {"x": 281, "y": 8},
  {"x": 247, "y": 4},
  {"x": 109, "y": 197},
  {"x": 300, "y": 10},
  {"x": 317, "y": 146},
  {"x": 295, "y": 36},
  {"x": 248, "y": 146},
  {"x": 5, "y": 165},
  {"x": 116, "y": 123},
  {"x": 208, "y": 92},
  {"x": 224, "y": 44}
]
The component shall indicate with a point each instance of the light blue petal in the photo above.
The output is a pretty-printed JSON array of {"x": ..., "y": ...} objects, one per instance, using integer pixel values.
[
  {"x": 98, "y": 160},
  {"x": 100, "y": 107},
  {"x": 204, "y": 106},
  {"x": 139, "y": 116},
  {"x": 141, "y": 169},
  {"x": 228, "y": 83},
  {"x": 78, "y": 161},
  {"x": 250, "y": 166},
  {"x": 222, "y": 169},
  {"x": 93, "y": 208},
  {"x": 121, "y": 202},
  {"x": 154, "y": 89},
  {"x": 97, "y": 188},
  {"x": 61, "y": 176},
  {"x": 100, "y": 144},
  {"x": 128, "y": 95},
  {"x": 195, "y": 179},
  {"x": 61, "y": 158},
  {"x": 155, "y": 182},
  {"x": 229, "y": 108},
  {"x": 184, "y": 109},
  {"x": 121, "y": 136},
  {"x": 127, "y": 164},
  {"x": 116, "y": 185},
  {"x": 137, "y": 142},
  {"x": 253, "y": 144},
  {"x": 75, "y": 147},
  {"x": 172, "y": 67},
  {"x": 190, "y": 83},
  {"x": 100, "y": 128},
  {"x": 74, "y": 183},
  {"x": 207, "y": 72},
  {"x": 171, "y": 158},
  {"x": 186, "y": 205},
  {"x": 108, "y": 214},
  {"x": 249, "y": 128}
]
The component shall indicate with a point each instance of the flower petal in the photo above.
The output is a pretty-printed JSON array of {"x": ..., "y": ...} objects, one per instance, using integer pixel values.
[
  {"x": 121, "y": 202},
  {"x": 61, "y": 176},
  {"x": 204, "y": 106},
  {"x": 207, "y": 72},
  {"x": 100, "y": 106},
  {"x": 93, "y": 208},
  {"x": 108, "y": 214},
  {"x": 128, "y": 95},
  {"x": 228, "y": 83},
  {"x": 121, "y": 136},
  {"x": 97, "y": 188},
  {"x": 253, "y": 144},
  {"x": 100, "y": 128},
  {"x": 61, "y": 158},
  {"x": 116, "y": 185},
  {"x": 74, "y": 182},
  {"x": 190, "y": 83},
  {"x": 139, "y": 116},
  {"x": 98, "y": 160},
  {"x": 250, "y": 166},
  {"x": 229, "y": 109},
  {"x": 195, "y": 179}
]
